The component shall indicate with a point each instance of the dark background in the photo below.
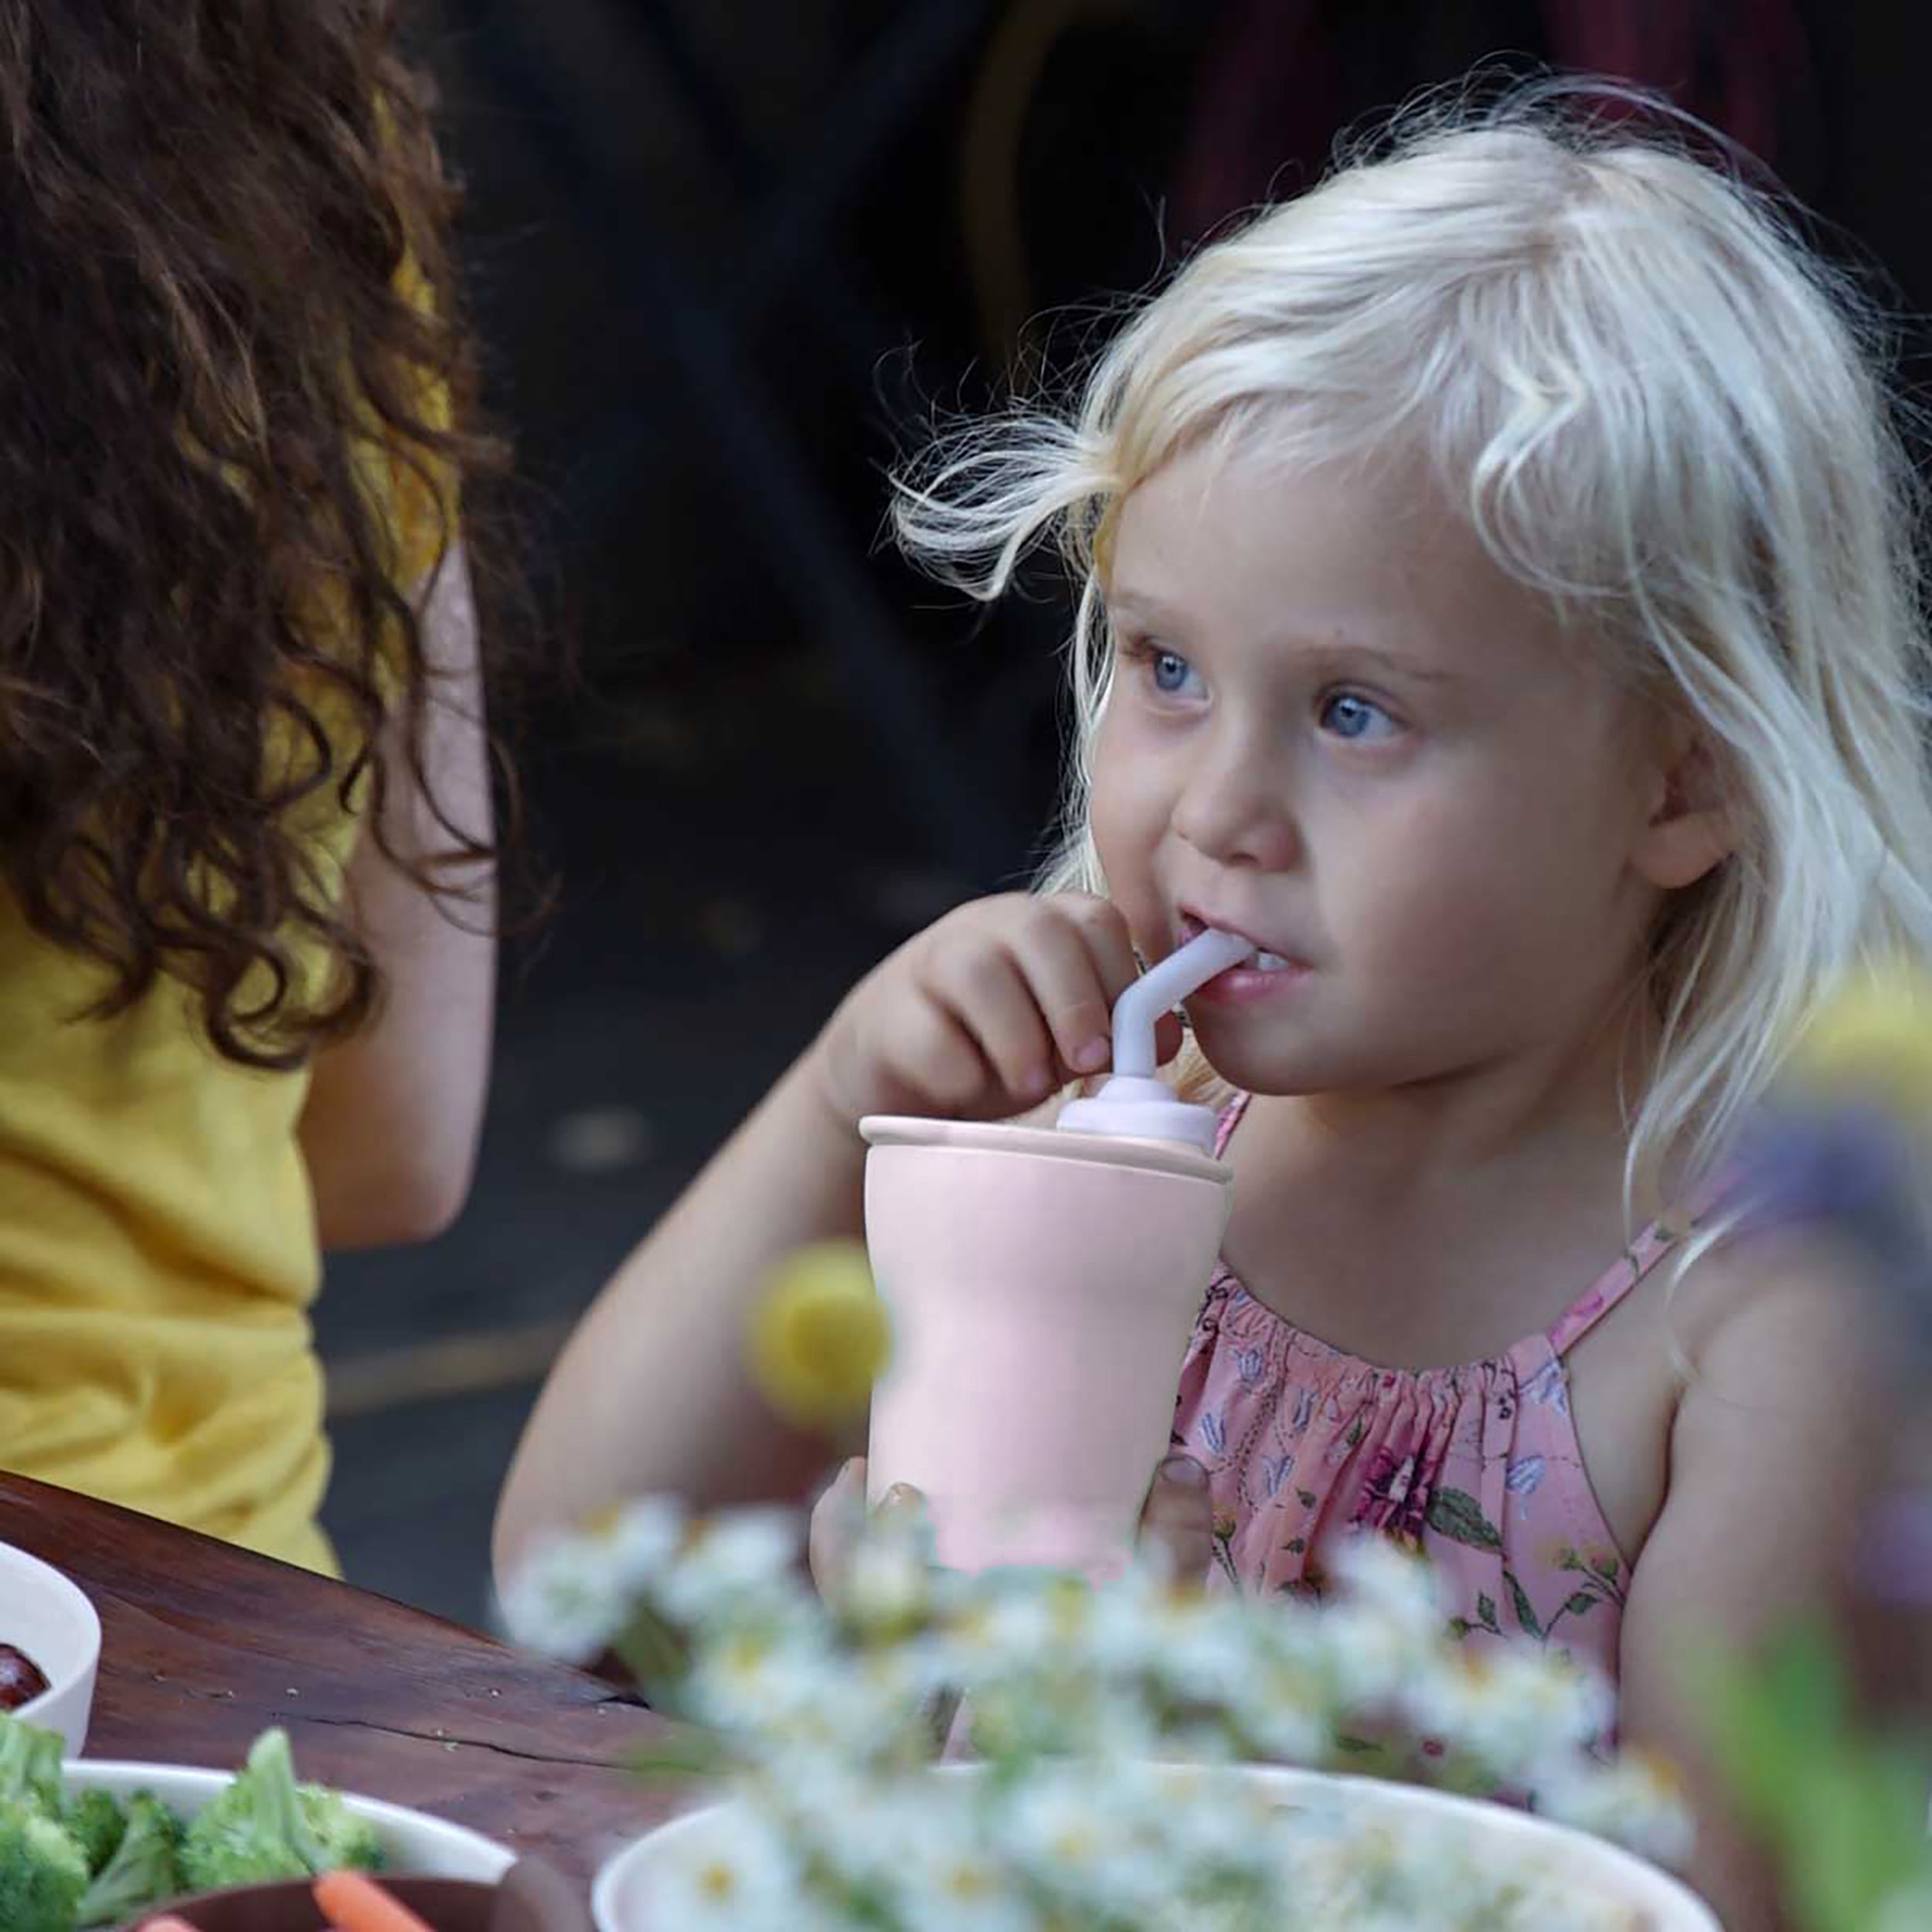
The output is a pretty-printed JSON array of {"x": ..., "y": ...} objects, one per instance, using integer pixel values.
[{"x": 727, "y": 256}]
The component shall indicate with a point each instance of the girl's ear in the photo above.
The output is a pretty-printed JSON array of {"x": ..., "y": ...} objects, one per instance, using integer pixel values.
[{"x": 1690, "y": 831}]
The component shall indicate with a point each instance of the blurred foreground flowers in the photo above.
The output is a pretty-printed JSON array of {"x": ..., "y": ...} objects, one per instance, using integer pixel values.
[
  {"x": 1112, "y": 1724},
  {"x": 1844, "y": 1150},
  {"x": 818, "y": 1337}
]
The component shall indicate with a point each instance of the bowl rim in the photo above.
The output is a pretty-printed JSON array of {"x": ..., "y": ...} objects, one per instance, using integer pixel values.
[
  {"x": 1657, "y": 1888},
  {"x": 489, "y": 1856},
  {"x": 62, "y": 1588}
]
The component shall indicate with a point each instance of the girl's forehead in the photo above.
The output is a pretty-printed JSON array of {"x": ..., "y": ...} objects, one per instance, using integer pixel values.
[{"x": 1216, "y": 530}]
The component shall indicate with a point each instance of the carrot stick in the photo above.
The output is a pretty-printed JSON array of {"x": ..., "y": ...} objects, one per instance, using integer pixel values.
[{"x": 351, "y": 1903}]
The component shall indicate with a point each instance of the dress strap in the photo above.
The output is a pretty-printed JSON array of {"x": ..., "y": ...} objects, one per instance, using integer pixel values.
[
  {"x": 1613, "y": 1284},
  {"x": 1230, "y": 1119}
]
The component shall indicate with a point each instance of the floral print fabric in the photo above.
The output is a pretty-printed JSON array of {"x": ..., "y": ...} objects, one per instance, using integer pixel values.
[{"x": 1477, "y": 1468}]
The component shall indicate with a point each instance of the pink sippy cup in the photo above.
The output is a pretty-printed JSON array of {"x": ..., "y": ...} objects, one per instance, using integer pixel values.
[{"x": 1042, "y": 1282}]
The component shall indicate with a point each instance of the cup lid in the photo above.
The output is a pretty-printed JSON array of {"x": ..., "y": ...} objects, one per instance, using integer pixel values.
[{"x": 1066, "y": 1144}]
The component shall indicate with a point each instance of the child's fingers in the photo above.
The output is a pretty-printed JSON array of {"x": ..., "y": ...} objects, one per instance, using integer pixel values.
[
  {"x": 900, "y": 1498},
  {"x": 1067, "y": 961},
  {"x": 937, "y": 1054},
  {"x": 985, "y": 987},
  {"x": 833, "y": 1528},
  {"x": 1177, "y": 1521}
]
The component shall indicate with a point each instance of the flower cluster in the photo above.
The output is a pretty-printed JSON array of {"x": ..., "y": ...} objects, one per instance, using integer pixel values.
[{"x": 1114, "y": 1732}]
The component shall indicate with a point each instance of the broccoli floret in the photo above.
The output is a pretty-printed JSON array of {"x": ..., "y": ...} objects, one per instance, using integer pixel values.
[
  {"x": 337, "y": 1838},
  {"x": 30, "y": 1765},
  {"x": 265, "y": 1826},
  {"x": 254, "y": 1830},
  {"x": 43, "y": 1871},
  {"x": 143, "y": 1870},
  {"x": 96, "y": 1822}
]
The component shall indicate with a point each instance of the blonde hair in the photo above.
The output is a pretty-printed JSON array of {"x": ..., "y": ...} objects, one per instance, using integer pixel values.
[{"x": 1656, "y": 408}]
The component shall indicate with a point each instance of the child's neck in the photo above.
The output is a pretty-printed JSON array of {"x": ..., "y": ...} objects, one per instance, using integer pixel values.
[
  {"x": 1503, "y": 1121},
  {"x": 1436, "y": 1224}
]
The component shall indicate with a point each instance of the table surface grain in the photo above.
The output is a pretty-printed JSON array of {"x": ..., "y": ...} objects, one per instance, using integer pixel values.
[{"x": 203, "y": 1645}]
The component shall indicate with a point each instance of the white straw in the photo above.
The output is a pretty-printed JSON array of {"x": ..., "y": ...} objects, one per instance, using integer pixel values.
[{"x": 1166, "y": 985}]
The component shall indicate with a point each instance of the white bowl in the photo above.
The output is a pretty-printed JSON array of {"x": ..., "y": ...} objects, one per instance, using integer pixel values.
[
  {"x": 620, "y": 1900},
  {"x": 49, "y": 1616},
  {"x": 415, "y": 1846}
]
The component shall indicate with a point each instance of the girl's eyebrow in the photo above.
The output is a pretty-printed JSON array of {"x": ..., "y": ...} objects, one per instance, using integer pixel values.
[
  {"x": 1347, "y": 650},
  {"x": 1130, "y": 602},
  {"x": 1339, "y": 644}
]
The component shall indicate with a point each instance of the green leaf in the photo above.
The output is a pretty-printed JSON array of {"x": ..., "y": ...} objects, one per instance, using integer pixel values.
[
  {"x": 1580, "y": 1600},
  {"x": 1486, "y": 1614},
  {"x": 1357, "y": 1429},
  {"x": 1308, "y": 1498},
  {"x": 1605, "y": 1567},
  {"x": 1525, "y": 1609},
  {"x": 1460, "y": 1628},
  {"x": 1455, "y": 1514},
  {"x": 682, "y": 1754},
  {"x": 1296, "y": 1544},
  {"x": 1846, "y": 1809}
]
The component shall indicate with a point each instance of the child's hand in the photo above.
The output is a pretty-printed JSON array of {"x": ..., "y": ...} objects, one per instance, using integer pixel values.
[
  {"x": 986, "y": 1013},
  {"x": 1177, "y": 1521}
]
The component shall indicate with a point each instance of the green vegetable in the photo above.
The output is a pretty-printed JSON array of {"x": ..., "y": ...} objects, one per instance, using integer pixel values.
[
  {"x": 143, "y": 1870},
  {"x": 96, "y": 1820},
  {"x": 30, "y": 1765},
  {"x": 341, "y": 1840},
  {"x": 43, "y": 1871},
  {"x": 264, "y": 1826}
]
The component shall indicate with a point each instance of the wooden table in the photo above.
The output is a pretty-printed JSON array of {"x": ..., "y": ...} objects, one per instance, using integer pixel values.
[{"x": 202, "y": 1645}]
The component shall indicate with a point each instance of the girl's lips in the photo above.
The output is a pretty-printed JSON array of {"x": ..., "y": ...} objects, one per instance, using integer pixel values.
[
  {"x": 1266, "y": 976},
  {"x": 1245, "y": 985},
  {"x": 1263, "y": 961}
]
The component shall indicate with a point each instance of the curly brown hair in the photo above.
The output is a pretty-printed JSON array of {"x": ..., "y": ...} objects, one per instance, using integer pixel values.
[{"x": 212, "y": 213}]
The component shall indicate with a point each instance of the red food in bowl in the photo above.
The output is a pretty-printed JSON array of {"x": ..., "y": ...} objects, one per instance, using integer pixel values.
[{"x": 21, "y": 1679}]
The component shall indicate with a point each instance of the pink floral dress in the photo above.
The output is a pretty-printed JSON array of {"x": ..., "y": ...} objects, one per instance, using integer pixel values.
[{"x": 1477, "y": 1467}]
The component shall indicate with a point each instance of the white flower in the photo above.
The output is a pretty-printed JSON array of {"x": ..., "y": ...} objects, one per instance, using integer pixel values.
[
  {"x": 737, "y": 1876},
  {"x": 943, "y": 1868},
  {"x": 639, "y": 1539},
  {"x": 1629, "y": 1801},
  {"x": 1389, "y": 1584},
  {"x": 1094, "y": 1833},
  {"x": 888, "y": 1584},
  {"x": 567, "y": 1599},
  {"x": 1202, "y": 1645},
  {"x": 783, "y": 1687},
  {"x": 961, "y": 1887},
  {"x": 1525, "y": 1713},
  {"x": 736, "y": 1568},
  {"x": 855, "y": 1824},
  {"x": 1055, "y": 1826}
]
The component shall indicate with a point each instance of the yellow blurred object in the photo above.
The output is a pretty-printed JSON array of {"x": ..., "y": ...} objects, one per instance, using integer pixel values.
[
  {"x": 818, "y": 1336},
  {"x": 1873, "y": 1037}
]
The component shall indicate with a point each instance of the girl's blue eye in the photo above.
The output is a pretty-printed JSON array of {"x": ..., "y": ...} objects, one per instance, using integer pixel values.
[
  {"x": 1356, "y": 719},
  {"x": 1171, "y": 670}
]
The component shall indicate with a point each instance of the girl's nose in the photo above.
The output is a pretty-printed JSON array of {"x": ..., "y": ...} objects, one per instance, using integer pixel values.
[{"x": 1236, "y": 810}]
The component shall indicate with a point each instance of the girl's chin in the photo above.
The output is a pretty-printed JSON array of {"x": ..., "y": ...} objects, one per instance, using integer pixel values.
[{"x": 1248, "y": 1065}]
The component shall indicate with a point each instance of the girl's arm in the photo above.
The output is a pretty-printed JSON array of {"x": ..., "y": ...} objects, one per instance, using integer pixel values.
[
  {"x": 393, "y": 1115},
  {"x": 984, "y": 1016},
  {"x": 652, "y": 1394},
  {"x": 1777, "y": 1454}
]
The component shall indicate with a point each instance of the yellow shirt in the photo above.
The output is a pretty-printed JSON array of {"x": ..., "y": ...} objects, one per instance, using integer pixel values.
[{"x": 158, "y": 1252}]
